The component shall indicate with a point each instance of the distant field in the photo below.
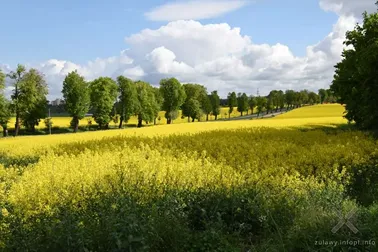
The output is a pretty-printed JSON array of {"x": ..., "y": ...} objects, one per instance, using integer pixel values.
[{"x": 324, "y": 110}]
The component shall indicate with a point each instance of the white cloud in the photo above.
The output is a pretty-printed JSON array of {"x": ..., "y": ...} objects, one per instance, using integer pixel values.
[
  {"x": 217, "y": 56},
  {"x": 196, "y": 9},
  {"x": 348, "y": 7}
]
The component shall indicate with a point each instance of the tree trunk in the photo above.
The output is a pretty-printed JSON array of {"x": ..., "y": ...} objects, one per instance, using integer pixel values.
[
  {"x": 207, "y": 117},
  {"x": 216, "y": 117},
  {"x": 251, "y": 111},
  {"x": 140, "y": 121},
  {"x": 5, "y": 132},
  {"x": 155, "y": 121},
  {"x": 76, "y": 124},
  {"x": 120, "y": 122},
  {"x": 17, "y": 125},
  {"x": 193, "y": 119},
  {"x": 169, "y": 120},
  {"x": 229, "y": 115},
  {"x": 188, "y": 118}
]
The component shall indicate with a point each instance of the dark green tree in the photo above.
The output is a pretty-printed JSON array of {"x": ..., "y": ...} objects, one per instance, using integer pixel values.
[
  {"x": 242, "y": 101},
  {"x": 103, "y": 94},
  {"x": 174, "y": 96},
  {"x": 147, "y": 107},
  {"x": 5, "y": 112},
  {"x": 127, "y": 100},
  {"x": 290, "y": 98},
  {"x": 32, "y": 101},
  {"x": 215, "y": 103},
  {"x": 17, "y": 76},
  {"x": 76, "y": 97},
  {"x": 232, "y": 102},
  {"x": 252, "y": 103},
  {"x": 322, "y": 95},
  {"x": 261, "y": 103}
]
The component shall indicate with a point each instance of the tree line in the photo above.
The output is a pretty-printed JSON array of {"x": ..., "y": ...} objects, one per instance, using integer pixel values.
[{"x": 118, "y": 100}]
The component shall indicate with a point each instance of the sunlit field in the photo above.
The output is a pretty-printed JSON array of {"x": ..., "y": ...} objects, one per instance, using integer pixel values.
[{"x": 275, "y": 184}]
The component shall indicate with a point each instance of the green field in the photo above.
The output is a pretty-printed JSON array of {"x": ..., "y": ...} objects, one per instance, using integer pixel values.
[{"x": 273, "y": 184}]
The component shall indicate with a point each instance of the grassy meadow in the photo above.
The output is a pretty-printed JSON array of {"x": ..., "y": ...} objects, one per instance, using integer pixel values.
[{"x": 274, "y": 184}]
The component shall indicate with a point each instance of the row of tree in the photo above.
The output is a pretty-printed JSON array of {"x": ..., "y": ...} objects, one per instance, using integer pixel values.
[
  {"x": 276, "y": 100},
  {"x": 118, "y": 100}
]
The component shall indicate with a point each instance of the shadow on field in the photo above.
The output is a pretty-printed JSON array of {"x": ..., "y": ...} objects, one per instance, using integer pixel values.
[
  {"x": 17, "y": 161},
  {"x": 329, "y": 129}
]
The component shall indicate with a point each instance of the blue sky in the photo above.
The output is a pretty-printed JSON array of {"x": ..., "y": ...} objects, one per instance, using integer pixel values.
[
  {"x": 226, "y": 45},
  {"x": 84, "y": 30}
]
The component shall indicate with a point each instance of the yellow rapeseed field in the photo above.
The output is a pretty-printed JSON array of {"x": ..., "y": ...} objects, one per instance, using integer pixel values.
[
  {"x": 298, "y": 117},
  {"x": 204, "y": 186}
]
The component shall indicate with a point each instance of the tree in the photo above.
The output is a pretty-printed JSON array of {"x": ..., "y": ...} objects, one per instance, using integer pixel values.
[
  {"x": 313, "y": 98},
  {"x": 193, "y": 109},
  {"x": 252, "y": 103},
  {"x": 16, "y": 76},
  {"x": 192, "y": 105},
  {"x": 323, "y": 95},
  {"x": 128, "y": 99},
  {"x": 76, "y": 97},
  {"x": 215, "y": 103},
  {"x": 356, "y": 81},
  {"x": 5, "y": 112},
  {"x": 290, "y": 98},
  {"x": 269, "y": 105},
  {"x": 281, "y": 100},
  {"x": 174, "y": 96},
  {"x": 159, "y": 102},
  {"x": 274, "y": 99},
  {"x": 147, "y": 103},
  {"x": 261, "y": 103},
  {"x": 232, "y": 102},
  {"x": 103, "y": 94},
  {"x": 32, "y": 101},
  {"x": 206, "y": 105},
  {"x": 242, "y": 102}
]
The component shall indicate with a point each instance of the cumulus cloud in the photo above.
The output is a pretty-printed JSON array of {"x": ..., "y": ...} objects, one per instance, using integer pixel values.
[
  {"x": 218, "y": 56},
  {"x": 196, "y": 10},
  {"x": 348, "y": 7}
]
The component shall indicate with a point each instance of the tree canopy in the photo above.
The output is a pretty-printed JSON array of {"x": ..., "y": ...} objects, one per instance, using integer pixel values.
[
  {"x": 76, "y": 96},
  {"x": 356, "y": 78}
]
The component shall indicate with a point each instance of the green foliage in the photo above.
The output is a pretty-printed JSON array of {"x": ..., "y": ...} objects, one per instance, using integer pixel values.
[
  {"x": 232, "y": 102},
  {"x": 196, "y": 96},
  {"x": 128, "y": 99},
  {"x": 48, "y": 122},
  {"x": 290, "y": 96},
  {"x": 103, "y": 93},
  {"x": 76, "y": 95},
  {"x": 147, "y": 106},
  {"x": 2, "y": 80},
  {"x": 252, "y": 103},
  {"x": 261, "y": 103},
  {"x": 215, "y": 103},
  {"x": 242, "y": 101},
  {"x": 5, "y": 109},
  {"x": 32, "y": 101},
  {"x": 174, "y": 96},
  {"x": 356, "y": 80},
  {"x": 17, "y": 77}
]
